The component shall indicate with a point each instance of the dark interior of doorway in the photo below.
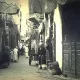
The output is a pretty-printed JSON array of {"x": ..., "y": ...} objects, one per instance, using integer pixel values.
[{"x": 71, "y": 21}]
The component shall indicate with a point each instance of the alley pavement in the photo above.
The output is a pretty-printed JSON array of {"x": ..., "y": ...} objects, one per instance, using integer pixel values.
[{"x": 22, "y": 71}]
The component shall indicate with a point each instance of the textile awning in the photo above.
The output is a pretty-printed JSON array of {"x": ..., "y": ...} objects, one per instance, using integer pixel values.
[
  {"x": 34, "y": 20},
  {"x": 8, "y": 8},
  {"x": 41, "y": 6}
]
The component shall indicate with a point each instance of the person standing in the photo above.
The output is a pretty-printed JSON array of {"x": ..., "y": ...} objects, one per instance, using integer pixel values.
[
  {"x": 41, "y": 55},
  {"x": 19, "y": 48},
  {"x": 15, "y": 51},
  {"x": 11, "y": 55},
  {"x": 26, "y": 50}
]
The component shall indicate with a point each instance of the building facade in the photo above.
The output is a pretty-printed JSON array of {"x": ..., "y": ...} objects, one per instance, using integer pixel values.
[{"x": 60, "y": 21}]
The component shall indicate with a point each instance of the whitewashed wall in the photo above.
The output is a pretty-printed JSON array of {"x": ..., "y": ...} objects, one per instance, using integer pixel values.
[{"x": 57, "y": 19}]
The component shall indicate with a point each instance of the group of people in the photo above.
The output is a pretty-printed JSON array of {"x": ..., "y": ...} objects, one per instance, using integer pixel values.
[
  {"x": 40, "y": 55},
  {"x": 16, "y": 52}
]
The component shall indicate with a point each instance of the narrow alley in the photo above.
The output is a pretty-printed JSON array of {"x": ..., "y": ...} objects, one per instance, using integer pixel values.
[
  {"x": 39, "y": 39},
  {"x": 22, "y": 71},
  {"x": 19, "y": 71}
]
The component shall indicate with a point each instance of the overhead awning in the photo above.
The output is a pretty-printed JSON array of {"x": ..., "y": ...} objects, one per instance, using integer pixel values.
[
  {"x": 61, "y": 2},
  {"x": 41, "y": 6},
  {"x": 8, "y": 8},
  {"x": 46, "y": 6},
  {"x": 36, "y": 6},
  {"x": 49, "y": 6},
  {"x": 34, "y": 20}
]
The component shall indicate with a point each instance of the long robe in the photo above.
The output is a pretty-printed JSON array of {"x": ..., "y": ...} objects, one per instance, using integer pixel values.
[
  {"x": 26, "y": 51},
  {"x": 15, "y": 51}
]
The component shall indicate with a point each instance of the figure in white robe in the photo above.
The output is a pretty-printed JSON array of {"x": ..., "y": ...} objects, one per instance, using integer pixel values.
[
  {"x": 26, "y": 51},
  {"x": 15, "y": 51}
]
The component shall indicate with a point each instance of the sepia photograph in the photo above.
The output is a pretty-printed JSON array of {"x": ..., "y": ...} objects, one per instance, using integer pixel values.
[{"x": 39, "y": 39}]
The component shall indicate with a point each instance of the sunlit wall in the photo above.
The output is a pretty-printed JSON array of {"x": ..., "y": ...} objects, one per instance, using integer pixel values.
[
  {"x": 57, "y": 19},
  {"x": 25, "y": 15},
  {"x": 23, "y": 5}
]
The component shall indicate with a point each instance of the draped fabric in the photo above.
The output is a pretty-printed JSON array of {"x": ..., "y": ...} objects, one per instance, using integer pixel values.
[
  {"x": 49, "y": 6},
  {"x": 46, "y": 6},
  {"x": 36, "y": 6},
  {"x": 8, "y": 8},
  {"x": 61, "y": 2},
  {"x": 41, "y": 6}
]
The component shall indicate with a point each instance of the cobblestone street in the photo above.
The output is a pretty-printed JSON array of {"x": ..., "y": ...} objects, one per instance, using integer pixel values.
[{"x": 22, "y": 71}]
